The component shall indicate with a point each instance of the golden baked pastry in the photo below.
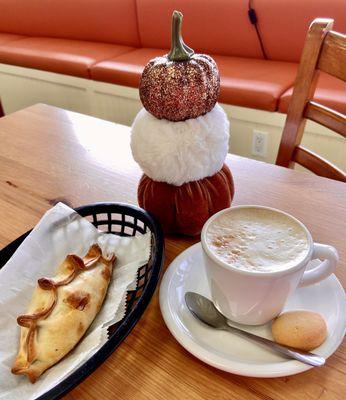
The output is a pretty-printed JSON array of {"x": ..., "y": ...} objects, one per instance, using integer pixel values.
[
  {"x": 61, "y": 310},
  {"x": 302, "y": 329}
]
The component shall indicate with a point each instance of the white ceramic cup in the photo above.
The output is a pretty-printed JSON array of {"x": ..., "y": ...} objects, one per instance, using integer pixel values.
[{"x": 254, "y": 297}]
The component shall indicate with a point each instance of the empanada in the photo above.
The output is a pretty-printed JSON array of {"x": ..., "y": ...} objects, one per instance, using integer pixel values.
[{"x": 61, "y": 310}]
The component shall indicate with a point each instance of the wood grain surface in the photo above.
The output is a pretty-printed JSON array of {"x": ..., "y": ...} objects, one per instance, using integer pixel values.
[{"x": 48, "y": 154}]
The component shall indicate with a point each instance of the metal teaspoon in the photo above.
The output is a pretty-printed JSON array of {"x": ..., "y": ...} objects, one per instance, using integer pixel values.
[{"x": 205, "y": 310}]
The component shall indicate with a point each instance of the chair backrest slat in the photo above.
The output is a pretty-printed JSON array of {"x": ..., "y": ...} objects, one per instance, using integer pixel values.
[
  {"x": 317, "y": 164},
  {"x": 323, "y": 50},
  {"x": 333, "y": 55},
  {"x": 326, "y": 116}
]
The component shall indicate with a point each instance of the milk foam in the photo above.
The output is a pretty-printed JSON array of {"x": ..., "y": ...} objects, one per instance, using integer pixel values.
[{"x": 257, "y": 239}]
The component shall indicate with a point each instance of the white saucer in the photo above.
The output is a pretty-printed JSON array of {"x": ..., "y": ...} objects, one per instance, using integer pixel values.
[{"x": 230, "y": 352}]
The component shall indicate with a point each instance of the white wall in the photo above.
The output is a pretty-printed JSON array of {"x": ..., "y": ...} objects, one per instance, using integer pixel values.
[{"x": 22, "y": 87}]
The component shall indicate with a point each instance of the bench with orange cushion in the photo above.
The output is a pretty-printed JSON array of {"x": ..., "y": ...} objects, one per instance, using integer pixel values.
[
  {"x": 283, "y": 27},
  {"x": 66, "y": 36},
  {"x": 112, "y": 40}
]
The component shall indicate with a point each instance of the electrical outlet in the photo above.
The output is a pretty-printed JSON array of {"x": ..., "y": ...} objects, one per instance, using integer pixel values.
[{"x": 259, "y": 143}]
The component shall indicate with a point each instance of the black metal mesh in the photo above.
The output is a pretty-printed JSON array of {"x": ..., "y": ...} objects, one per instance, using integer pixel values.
[{"x": 121, "y": 227}]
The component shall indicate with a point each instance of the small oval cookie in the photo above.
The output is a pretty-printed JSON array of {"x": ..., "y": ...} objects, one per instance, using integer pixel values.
[{"x": 302, "y": 329}]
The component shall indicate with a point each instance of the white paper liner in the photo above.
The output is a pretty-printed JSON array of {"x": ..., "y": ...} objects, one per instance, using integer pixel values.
[{"x": 59, "y": 233}]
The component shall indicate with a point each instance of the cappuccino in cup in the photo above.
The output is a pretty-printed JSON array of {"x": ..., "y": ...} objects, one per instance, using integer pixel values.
[
  {"x": 257, "y": 239},
  {"x": 255, "y": 257}
]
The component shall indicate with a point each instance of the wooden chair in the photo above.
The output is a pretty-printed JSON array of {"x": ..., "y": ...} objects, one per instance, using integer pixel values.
[{"x": 324, "y": 50}]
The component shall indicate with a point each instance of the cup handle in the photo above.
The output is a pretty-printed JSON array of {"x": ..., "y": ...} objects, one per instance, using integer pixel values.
[{"x": 326, "y": 267}]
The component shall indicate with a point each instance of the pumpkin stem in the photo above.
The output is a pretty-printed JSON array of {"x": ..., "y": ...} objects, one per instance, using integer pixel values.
[{"x": 179, "y": 50}]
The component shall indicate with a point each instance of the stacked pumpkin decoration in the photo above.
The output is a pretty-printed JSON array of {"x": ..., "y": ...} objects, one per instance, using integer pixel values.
[{"x": 180, "y": 139}]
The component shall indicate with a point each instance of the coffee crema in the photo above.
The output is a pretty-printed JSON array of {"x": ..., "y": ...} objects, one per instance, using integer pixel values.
[{"x": 257, "y": 239}]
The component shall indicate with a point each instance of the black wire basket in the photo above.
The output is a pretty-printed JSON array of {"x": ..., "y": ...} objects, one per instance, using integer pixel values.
[{"x": 123, "y": 220}]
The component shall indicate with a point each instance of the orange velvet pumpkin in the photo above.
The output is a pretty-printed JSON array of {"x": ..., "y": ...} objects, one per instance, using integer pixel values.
[{"x": 184, "y": 209}]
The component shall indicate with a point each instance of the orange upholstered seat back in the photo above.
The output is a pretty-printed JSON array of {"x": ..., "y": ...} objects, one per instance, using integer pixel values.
[
  {"x": 283, "y": 24},
  {"x": 210, "y": 26},
  {"x": 109, "y": 21}
]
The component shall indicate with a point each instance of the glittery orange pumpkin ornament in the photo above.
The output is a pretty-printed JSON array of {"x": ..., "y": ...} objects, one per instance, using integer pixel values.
[{"x": 180, "y": 85}]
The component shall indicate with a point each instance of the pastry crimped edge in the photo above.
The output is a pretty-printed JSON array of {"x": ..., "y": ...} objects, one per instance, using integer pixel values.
[{"x": 26, "y": 362}]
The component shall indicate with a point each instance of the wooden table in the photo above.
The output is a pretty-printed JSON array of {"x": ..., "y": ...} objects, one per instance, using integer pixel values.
[{"x": 48, "y": 154}]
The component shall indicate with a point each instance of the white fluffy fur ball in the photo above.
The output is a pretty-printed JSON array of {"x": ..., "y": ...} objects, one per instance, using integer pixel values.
[{"x": 180, "y": 152}]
